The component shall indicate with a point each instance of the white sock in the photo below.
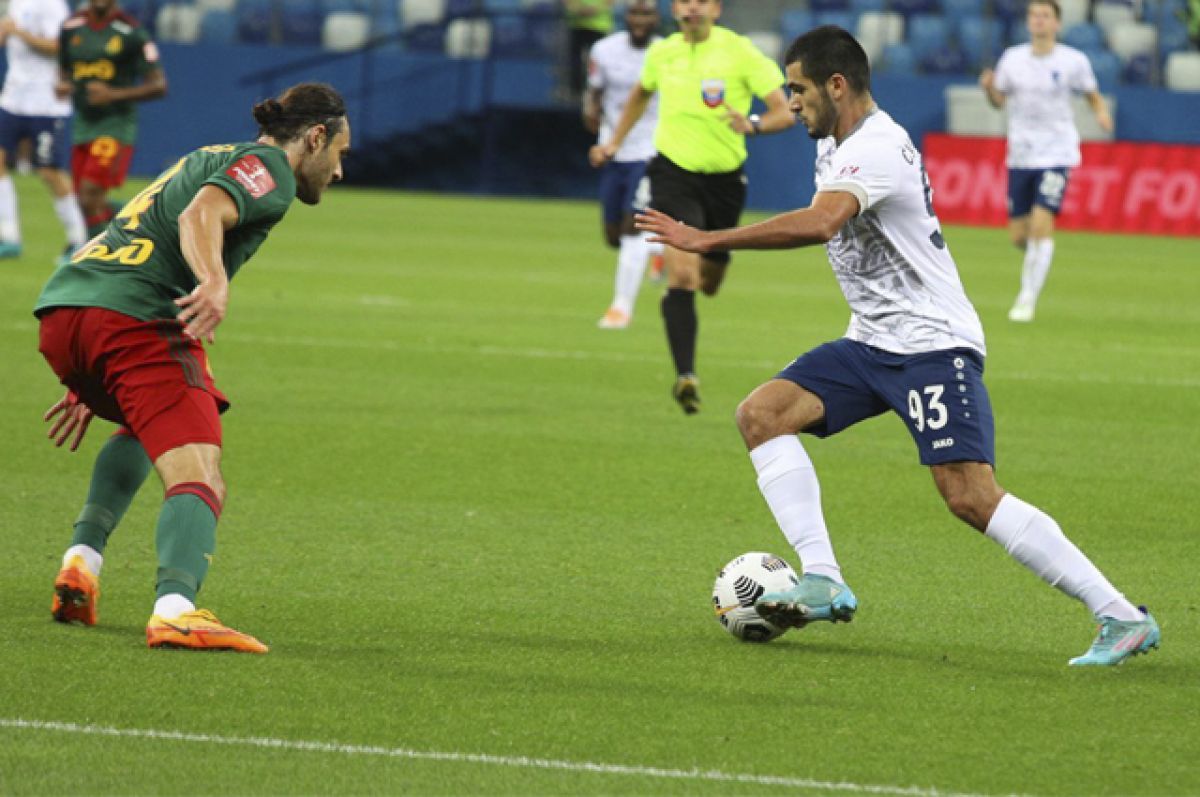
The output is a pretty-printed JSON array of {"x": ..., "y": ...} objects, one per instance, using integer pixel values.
[
  {"x": 91, "y": 557},
  {"x": 1039, "y": 253},
  {"x": 653, "y": 249},
  {"x": 171, "y": 606},
  {"x": 68, "y": 212},
  {"x": 1032, "y": 537},
  {"x": 631, "y": 265},
  {"x": 10, "y": 221},
  {"x": 789, "y": 483}
]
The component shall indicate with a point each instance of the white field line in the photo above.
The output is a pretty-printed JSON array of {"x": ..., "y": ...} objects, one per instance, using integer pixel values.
[
  {"x": 519, "y": 762},
  {"x": 767, "y": 367}
]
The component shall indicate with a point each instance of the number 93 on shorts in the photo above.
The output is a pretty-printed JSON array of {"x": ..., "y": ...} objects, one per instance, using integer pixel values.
[{"x": 939, "y": 395}]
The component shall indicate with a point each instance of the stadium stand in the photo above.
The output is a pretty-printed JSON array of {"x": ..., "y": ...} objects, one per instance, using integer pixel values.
[{"x": 1128, "y": 42}]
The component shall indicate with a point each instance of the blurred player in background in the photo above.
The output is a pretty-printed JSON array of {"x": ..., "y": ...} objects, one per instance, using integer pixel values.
[
  {"x": 915, "y": 347},
  {"x": 107, "y": 64},
  {"x": 122, "y": 326},
  {"x": 588, "y": 21},
  {"x": 1036, "y": 81},
  {"x": 30, "y": 111},
  {"x": 706, "y": 77},
  {"x": 613, "y": 72}
]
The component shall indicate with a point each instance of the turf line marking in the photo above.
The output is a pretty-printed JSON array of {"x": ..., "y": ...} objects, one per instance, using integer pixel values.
[{"x": 521, "y": 762}]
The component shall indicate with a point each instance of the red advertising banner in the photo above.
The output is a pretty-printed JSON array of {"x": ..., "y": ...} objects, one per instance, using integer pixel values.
[{"x": 1121, "y": 187}]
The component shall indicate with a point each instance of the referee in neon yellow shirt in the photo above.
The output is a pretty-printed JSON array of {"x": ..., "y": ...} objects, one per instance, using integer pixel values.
[{"x": 706, "y": 77}]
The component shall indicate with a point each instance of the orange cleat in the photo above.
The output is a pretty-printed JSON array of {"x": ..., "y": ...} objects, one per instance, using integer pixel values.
[
  {"x": 199, "y": 630},
  {"x": 614, "y": 318},
  {"x": 657, "y": 268},
  {"x": 76, "y": 593}
]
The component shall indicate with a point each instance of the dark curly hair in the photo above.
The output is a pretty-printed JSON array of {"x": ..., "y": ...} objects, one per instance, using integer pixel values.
[{"x": 297, "y": 109}]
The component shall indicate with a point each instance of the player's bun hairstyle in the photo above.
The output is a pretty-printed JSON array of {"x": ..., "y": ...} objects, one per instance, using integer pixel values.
[
  {"x": 827, "y": 51},
  {"x": 294, "y": 111}
]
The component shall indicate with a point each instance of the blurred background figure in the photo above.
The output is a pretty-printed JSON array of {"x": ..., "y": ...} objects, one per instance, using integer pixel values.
[
  {"x": 31, "y": 115},
  {"x": 614, "y": 70},
  {"x": 588, "y": 21}
]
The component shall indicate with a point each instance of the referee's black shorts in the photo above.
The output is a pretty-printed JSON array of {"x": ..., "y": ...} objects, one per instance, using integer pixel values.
[{"x": 704, "y": 201}]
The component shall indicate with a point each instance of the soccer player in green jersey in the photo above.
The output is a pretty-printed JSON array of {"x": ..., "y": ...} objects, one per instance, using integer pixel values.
[
  {"x": 706, "y": 77},
  {"x": 107, "y": 63},
  {"x": 122, "y": 325}
]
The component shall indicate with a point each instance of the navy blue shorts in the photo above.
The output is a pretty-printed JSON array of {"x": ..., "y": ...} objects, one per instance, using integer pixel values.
[
  {"x": 1042, "y": 187},
  {"x": 624, "y": 189},
  {"x": 940, "y": 396},
  {"x": 48, "y": 134}
]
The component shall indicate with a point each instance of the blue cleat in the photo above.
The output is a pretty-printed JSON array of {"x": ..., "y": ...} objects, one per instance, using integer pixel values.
[
  {"x": 814, "y": 598},
  {"x": 9, "y": 250},
  {"x": 1117, "y": 640}
]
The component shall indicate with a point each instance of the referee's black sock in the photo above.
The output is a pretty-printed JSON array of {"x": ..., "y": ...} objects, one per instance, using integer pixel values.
[{"x": 679, "y": 314}]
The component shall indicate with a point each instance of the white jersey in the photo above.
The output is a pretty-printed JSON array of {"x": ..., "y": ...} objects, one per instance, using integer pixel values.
[
  {"x": 615, "y": 68},
  {"x": 893, "y": 266},
  {"x": 1041, "y": 124},
  {"x": 29, "y": 82}
]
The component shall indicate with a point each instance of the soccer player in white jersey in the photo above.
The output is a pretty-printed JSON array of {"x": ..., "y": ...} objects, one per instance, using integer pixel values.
[
  {"x": 1036, "y": 82},
  {"x": 914, "y": 346},
  {"x": 614, "y": 68},
  {"x": 29, "y": 109}
]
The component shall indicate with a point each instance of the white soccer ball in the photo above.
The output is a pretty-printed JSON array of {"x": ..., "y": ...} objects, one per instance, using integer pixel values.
[{"x": 743, "y": 581}]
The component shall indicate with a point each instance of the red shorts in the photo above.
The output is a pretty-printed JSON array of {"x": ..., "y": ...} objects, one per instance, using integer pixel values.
[
  {"x": 145, "y": 375},
  {"x": 103, "y": 161}
]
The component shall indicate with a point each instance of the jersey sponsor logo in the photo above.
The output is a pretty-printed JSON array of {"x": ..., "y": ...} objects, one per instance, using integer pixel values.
[
  {"x": 712, "y": 92},
  {"x": 848, "y": 170},
  {"x": 945, "y": 442},
  {"x": 253, "y": 176},
  {"x": 114, "y": 46},
  {"x": 98, "y": 70}
]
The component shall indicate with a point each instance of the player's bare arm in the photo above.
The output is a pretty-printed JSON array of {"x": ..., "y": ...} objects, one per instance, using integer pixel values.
[
  {"x": 592, "y": 99},
  {"x": 816, "y": 224},
  {"x": 1100, "y": 110},
  {"x": 151, "y": 88},
  {"x": 202, "y": 227},
  {"x": 779, "y": 117},
  {"x": 987, "y": 81},
  {"x": 635, "y": 106}
]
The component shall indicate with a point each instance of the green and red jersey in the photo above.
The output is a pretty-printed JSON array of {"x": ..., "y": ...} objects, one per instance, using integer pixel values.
[
  {"x": 117, "y": 51},
  {"x": 137, "y": 266}
]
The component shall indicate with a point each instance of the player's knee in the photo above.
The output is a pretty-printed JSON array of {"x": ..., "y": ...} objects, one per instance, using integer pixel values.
[
  {"x": 1019, "y": 241},
  {"x": 969, "y": 506},
  {"x": 757, "y": 422}
]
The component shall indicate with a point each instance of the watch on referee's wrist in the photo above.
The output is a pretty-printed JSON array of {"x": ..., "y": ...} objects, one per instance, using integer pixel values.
[{"x": 755, "y": 123}]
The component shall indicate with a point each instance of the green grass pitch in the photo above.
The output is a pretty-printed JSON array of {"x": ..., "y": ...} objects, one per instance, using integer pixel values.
[{"x": 480, "y": 537}]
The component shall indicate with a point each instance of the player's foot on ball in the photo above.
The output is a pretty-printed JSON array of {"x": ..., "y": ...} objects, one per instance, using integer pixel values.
[
  {"x": 657, "y": 268},
  {"x": 198, "y": 630},
  {"x": 614, "y": 318},
  {"x": 687, "y": 393},
  {"x": 76, "y": 593},
  {"x": 1022, "y": 311},
  {"x": 1117, "y": 640},
  {"x": 814, "y": 598}
]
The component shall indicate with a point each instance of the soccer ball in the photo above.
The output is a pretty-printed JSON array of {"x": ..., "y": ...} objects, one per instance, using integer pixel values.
[{"x": 743, "y": 581}]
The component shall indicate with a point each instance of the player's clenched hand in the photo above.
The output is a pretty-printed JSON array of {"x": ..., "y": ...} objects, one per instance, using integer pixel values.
[
  {"x": 666, "y": 230},
  {"x": 601, "y": 154},
  {"x": 203, "y": 309},
  {"x": 70, "y": 420}
]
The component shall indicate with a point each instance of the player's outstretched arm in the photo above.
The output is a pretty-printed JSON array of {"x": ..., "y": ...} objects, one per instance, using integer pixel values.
[
  {"x": 815, "y": 224},
  {"x": 1100, "y": 109},
  {"x": 202, "y": 226}
]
